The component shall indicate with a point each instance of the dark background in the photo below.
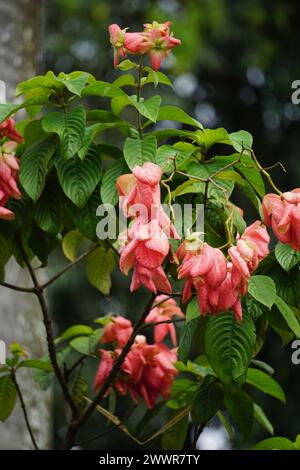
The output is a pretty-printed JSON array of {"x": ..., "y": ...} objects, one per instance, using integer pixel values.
[{"x": 234, "y": 69}]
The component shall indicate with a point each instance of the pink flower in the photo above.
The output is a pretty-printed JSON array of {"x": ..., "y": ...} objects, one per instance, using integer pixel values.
[
  {"x": 9, "y": 168},
  {"x": 158, "y": 44},
  {"x": 201, "y": 264},
  {"x": 283, "y": 214},
  {"x": 147, "y": 371},
  {"x": 105, "y": 366},
  {"x": 8, "y": 129},
  {"x": 165, "y": 311},
  {"x": 117, "y": 38},
  {"x": 119, "y": 330}
]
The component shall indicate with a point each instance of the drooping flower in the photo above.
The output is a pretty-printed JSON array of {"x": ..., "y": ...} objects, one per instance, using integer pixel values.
[
  {"x": 158, "y": 43},
  {"x": 9, "y": 168},
  {"x": 282, "y": 213},
  {"x": 118, "y": 330},
  {"x": 147, "y": 371},
  {"x": 105, "y": 366},
  {"x": 164, "y": 311},
  {"x": 117, "y": 38},
  {"x": 8, "y": 129}
]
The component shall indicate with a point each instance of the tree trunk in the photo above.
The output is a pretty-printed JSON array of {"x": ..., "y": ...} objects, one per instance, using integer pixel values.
[{"x": 20, "y": 316}]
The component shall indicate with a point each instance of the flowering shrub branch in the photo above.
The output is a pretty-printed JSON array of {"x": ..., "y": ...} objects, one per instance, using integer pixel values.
[{"x": 222, "y": 287}]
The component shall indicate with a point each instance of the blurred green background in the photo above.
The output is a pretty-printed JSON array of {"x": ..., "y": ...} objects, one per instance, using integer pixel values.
[{"x": 234, "y": 69}]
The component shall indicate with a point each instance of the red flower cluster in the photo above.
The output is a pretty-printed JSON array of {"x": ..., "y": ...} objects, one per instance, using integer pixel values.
[
  {"x": 283, "y": 214},
  {"x": 221, "y": 283},
  {"x": 9, "y": 167},
  {"x": 145, "y": 244},
  {"x": 156, "y": 40},
  {"x": 148, "y": 370}
]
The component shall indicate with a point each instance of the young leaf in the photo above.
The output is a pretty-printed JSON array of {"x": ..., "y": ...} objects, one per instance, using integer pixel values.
[
  {"x": 100, "y": 265},
  {"x": 79, "y": 392},
  {"x": 137, "y": 152},
  {"x": 288, "y": 315},
  {"x": 8, "y": 395},
  {"x": 36, "y": 364},
  {"x": 275, "y": 443},
  {"x": 263, "y": 289},
  {"x": 229, "y": 345},
  {"x": 70, "y": 126},
  {"x": 265, "y": 383},
  {"x": 262, "y": 419},
  {"x": 149, "y": 108},
  {"x": 34, "y": 166},
  {"x": 79, "y": 178},
  {"x": 173, "y": 113},
  {"x": 192, "y": 310},
  {"x": 100, "y": 88},
  {"x": 75, "y": 330},
  {"x": 71, "y": 243}
]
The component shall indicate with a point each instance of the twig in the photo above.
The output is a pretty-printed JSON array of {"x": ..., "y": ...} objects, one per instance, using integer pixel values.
[
  {"x": 138, "y": 96},
  {"x": 23, "y": 406},
  {"x": 17, "y": 288},
  {"x": 69, "y": 266},
  {"x": 49, "y": 333}
]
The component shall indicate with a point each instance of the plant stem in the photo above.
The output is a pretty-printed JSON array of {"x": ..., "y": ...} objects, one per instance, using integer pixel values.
[
  {"x": 38, "y": 290},
  {"x": 17, "y": 288},
  {"x": 267, "y": 175},
  {"x": 76, "y": 424},
  {"x": 23, "y": 406},
  {"x": 138, "y": 95}
]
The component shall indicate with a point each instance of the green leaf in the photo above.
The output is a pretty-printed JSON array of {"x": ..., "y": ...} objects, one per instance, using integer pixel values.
[
  {"x": 127, "y": 65},
  {"x": 229, "y": 345},
  {"x": 79, "y": 178},
  {"x": 48, "y": 81},
  {"x": 286, "y": 256},
  {"x": 8, "y": 396},
  {"x": 226, "y": 423},
  {"x": 192, "y": 310},
  {"x": 71, "y": 243},
  {"x": 263, "y": 289},
  {"x": 156, "y": 77},
  {"x": 100, "y": 265},
  {"x": 6, "y": 110},
  {"x": 207, "y": 402},
  {"x": 137, "y": 152},
  {"x": 262, "y": 419},
  {"x": 75, "y": 82},
  {"x": 173, "y": 113},
  {"x": 186, "y": 338},
  {"x": 79, "y": 392},
  {"x": 85, "y": 219},
  {"x": 174, "y": 438},
  {"x": 166, "y": 155},
  {"x": 124, "y": 80},
  {"x": 209, "y": 137},
  {"x": 108, "y": 191},
  {"x": 75, "y": 330},
  {"x": 70, "y": 126},
  {"x": 36, "y": 364},
  {"x": 149, "y": 108},
  {"x": 241, "y": 140},
  {"x": 100, "y": 88},
  {"x": 90, "y": 134},
  {"x": 288, "y": 315},
  {"x": 265, "y": 383},
  {"x": 240, "y": 406},
  {"x": 81, "y": 344},
  {"x": 275, "y": 443},
  {"x": 47, "y": 213},
  {"x": 34, "y": 166}
]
